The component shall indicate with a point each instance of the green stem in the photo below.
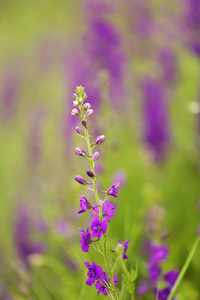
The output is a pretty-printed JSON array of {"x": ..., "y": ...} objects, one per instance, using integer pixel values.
[
  {"x": 128, "y": 276},
  {"x": 184, "y": 269}
]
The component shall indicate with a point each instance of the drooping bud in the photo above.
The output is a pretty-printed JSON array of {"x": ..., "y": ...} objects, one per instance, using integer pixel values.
[
  {"x": 80, "y": 131},
  {"x": 90, "y": 173},
  {"x": 95, "y": 156},
  {"x": 88, "y": 113},
  {"x": 80, "y": 151},
  {"x": 100, "y": 139},
  {"x": 84, "y": 123},
  {"x": 75, "y": 111},
  {"x": 86, "y": 106},
  {"x": 80, "y": 180}
]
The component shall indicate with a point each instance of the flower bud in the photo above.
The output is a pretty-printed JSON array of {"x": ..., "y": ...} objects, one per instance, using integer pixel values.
[
  {"x": 90, "y": 173},
  {"x": 76, "y": 102},
  {"x": 100, "y": 139},
  {"x": 86, "y": 106},
  {"x": 80, "y": 180},
  {"x": 80, "y": 131},
  {"x": 95, "y": 156},
  {"x": 80, "y": 151},
  {"x": 88, "y": 113},
  {"x": 75, "y": 111},
  {"x": 84, "y": 123}
]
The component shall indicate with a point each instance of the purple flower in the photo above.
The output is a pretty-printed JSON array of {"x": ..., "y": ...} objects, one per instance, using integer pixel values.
[
  {"x": 120, "y": 176},
  {"x": 164, "y": 293},
  {"x": 171, "y": 277},
  {"x": 85, "y": 240},
  {"x": 156, "y": 132},
  {"x": 84, "y": 204},
  {"x": 90, "y": 173},
  {"x": 168, "y": 62},
  {"x": 113, "y": 190},
  {"x": 158, "y": 253},
  {"x": 125, "y": 248},
  {"x": 154, "y": 272},
  {"x": 104, "y": 280},
  {"x": 94, "y": 272},
  {"x": 98, "y": 228},
  {"x": 108, "y": 211}
]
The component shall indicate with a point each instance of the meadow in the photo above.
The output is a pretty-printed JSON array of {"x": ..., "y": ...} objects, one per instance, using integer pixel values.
[{"x": 139, "y": 64}]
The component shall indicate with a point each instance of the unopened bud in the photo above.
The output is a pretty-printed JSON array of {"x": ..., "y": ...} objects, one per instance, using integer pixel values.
[
  {"x": 95, "y": 156},
  {"x": 90, "y": 173},
  {"x": 119, "y": 249},
  {"x": 80, "y": 151},
  {"x": 75, "y": 111},
  {"x": 76, "y": 102},
  {"x": 100, "y": 139},
  {"x": 88, "y": 113},
  {"x": 86, "y": 106},
  {"x": 80, "y": 131},
  {"x": 80, "y": 180},
  {"x": 84, "y": 123}
]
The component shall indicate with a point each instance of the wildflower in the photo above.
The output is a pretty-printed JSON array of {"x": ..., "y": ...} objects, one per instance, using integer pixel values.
[
  {"x": 85, "y": 240},
  {"x": 108, "y": 211},
  {"x": 84, "y": 204},
  {"x": 154, "y": 272},
  {"x": 98, "y": 228},
  {"x": 159, "y": 253},
  {"x": 121, "y": 249},
  {"x": 113, "y": 190},
  {"x": 103, "y": 282},
  {"x": 94, "y": 272},
  {"x": 75, "y": 111}
]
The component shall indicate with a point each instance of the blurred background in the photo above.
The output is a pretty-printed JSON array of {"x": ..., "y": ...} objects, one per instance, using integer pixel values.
[{"x": 139, "y": 62}]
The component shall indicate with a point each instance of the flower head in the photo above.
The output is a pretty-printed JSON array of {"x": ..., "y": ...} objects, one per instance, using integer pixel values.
[
  {"x": 108, "y": 211},
  {"x": 84, "y": 204},
  {"x": 98, "y": 228},
  {"x": 113, "y": 190},
  {"x": 85, "y": 240},
  {"x": 94, "y": 272},
  {"x": 80, "y": 180}
]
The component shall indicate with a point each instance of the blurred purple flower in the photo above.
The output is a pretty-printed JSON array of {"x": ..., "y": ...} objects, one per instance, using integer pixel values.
[
  {"x": 22, "y": 235},
  {"x": 120, "y": 176},
  {"x": 143, "y": 287},
  {"x": 171, "y": 277},
  {"x": 85, "y": 240},
  {"x": 9, "y": 93},
  {"x": 156, "y": 131},
  {"x": 167, "y": 62},
  {"x": 192, "y": 20}
]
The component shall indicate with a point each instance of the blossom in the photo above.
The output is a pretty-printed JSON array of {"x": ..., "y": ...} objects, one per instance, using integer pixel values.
[
  {"x": 94, "y": 272},
  {"x": 98, "y": 228},
  {"x": 85, "y": 240},
  {"x": 84, "y": 204},
  {"x": 108, "y": 211},
  {"x": 113, "y": 190},
  {"x": 104, "y": 281},
  {"x": 154, "y": 272}
]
